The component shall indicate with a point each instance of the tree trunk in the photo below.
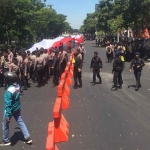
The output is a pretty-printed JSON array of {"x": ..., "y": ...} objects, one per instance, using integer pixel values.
[{"x": 8, "y": 39}]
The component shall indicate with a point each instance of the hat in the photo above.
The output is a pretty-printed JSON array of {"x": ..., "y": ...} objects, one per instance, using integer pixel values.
[
  {"x": 117, "y": 53},
  {"x": 96, "y": 52},
  {"x": 137, "y": 53}
]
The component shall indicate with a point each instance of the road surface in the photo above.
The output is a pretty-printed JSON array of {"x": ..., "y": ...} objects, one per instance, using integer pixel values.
[{"x": 99, "y": 119}]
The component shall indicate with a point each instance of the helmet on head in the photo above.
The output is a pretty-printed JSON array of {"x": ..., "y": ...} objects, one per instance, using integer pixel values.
[
  {"x": 11, "y": 77},
  {"x": 96, "y": 52},
  {"x": 137, "y": 53}
]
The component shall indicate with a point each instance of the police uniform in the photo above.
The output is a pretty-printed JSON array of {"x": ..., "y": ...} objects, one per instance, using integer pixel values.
[
  {"x": 117, "y": 71},
  {"x": 96, "y": 64},
  {"x": 46, "y": 66},
  {"x": 82, "y": 50},
  {"x": 51, "y": 58},
  {"x": 137, "y": 64},
  {"x": 77, "y": 71},
  {"x": 1, "y": 76},
  {"x": 56, "y": 68},
  {"x": 39, "y": 68},
  {"x": 63, "y": 61},
  {"x": 23, "y": 64},
  {"x": 31, "y": 71},
  {"x": 5, "y": 66}
]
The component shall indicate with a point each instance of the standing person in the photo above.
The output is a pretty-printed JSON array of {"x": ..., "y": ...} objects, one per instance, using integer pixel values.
[
  {"x": 108, "y": 53},
  {"x": 46, "y": 66},
  {"x": 137, "y": 63},
  {"x": 82, "y": 50},
  {"x": 23, "y": 64},
  {"x": 39, "y": 68},
  {"x": 13, "y": 108},
  {"x": 63, "y": 60},
  {"x": 32, "y": 58},
  {"x": 11, "y": 55},
  {"x": 69, "y": 46},
  {"x": 5, "y": 66},
  {"x": 96, "y": 66},
  {"x": 77, "y": 71},
  {"x": 118, "y": 67},
  {"x": 13, "y": 67},
  {"x": 56, "y": 69},
  {"x": 1, "y": 74},
  {"x": 51, "y": 58}
]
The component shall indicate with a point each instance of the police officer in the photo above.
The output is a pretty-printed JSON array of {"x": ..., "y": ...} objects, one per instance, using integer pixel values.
[
  {"x": 137, "y": 63},
  {"x": 77, "y": 71},
  {"x": 96, "y": 66},
  {"x": 63, "y": 60},
  {"x": 23, "y": 64},
  {"x": 46, "y": 66},
  {"x": 56, "y": 69},
  {"x": 82, "y": 50},
  {"x": 39, "y": 68},
  {"x": 5, "y": 66},
  {"x": 51, "y": 58},
  {"x": 118, "y": 67},
  {"x": 32, "y": 58}
]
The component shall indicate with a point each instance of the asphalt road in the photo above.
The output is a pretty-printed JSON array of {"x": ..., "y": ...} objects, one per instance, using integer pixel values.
[
  {"x": 104, "y": 120},
  {"x": 99, "y": 119}
]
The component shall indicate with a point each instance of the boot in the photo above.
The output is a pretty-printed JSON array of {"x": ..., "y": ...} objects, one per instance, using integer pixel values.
[
  {"x": 114, "y": 88},
  {"x": 136, "y": 89}
]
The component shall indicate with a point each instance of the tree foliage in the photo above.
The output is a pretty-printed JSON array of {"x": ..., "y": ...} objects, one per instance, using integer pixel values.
[
  {"x": 27, "y": 21},
  {"x": 115, "y": 15}
]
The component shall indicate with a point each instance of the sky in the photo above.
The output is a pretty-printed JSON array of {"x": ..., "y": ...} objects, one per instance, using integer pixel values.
[{"x": 75, "y": 10}]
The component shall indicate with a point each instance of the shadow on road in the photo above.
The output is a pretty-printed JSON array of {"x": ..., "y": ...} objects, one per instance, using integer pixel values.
[
  {"x": 18, "y": 136},
  {"x": 131, "y": 86}
]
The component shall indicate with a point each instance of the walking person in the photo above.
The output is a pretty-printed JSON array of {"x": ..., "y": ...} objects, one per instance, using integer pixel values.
[
  {"x": 96, "y": 66},
  {"x": 137, "y": 63},
  {"x": 118, "y": 67},
  {"x": 77, "y": 71},
  {"x": 13, "y": 108}
]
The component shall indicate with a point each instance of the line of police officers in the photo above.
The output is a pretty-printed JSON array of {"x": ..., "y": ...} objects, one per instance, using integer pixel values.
[{"x": 39, "y": 65}]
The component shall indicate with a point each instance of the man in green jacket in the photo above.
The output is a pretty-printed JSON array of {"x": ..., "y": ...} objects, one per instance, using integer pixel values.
[{"x": 13, "y": 108}]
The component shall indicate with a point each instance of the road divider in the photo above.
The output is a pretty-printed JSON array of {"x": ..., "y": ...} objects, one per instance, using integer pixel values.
[{"x": 58, "y": 130}]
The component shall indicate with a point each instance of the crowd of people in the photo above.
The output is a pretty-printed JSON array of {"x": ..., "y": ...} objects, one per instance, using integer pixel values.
[
  {"x": 134, "y": 52},
  {"x": 127, "y": 49},
  {"x": 38, "y": 66}
]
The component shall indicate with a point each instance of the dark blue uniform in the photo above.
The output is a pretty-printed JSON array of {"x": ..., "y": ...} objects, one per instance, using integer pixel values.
[{"x": 96, "y": 64}]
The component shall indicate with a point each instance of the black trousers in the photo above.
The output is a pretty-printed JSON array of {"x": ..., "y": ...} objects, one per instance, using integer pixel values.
[
  {"x": 5, "y": 79},
  {"x": 96, "y": 72},
  {"x": 51, "y": 69},
  {"x": 137, "y": 77},
  {"x": 117, "y": 78},
  {"x": 24, "y": 79},
  {"x": 1, "y": 79},
  {"x": 46, "y": 71},
  {"x": 82, "y": 56},
  {"x": 56, "y": 76},
  {"x": 77, "y": 77},
  {"x": 62, "y": 67},
  {"x": 40, "y": 75},
  {"x": 31, "y": 72}
]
